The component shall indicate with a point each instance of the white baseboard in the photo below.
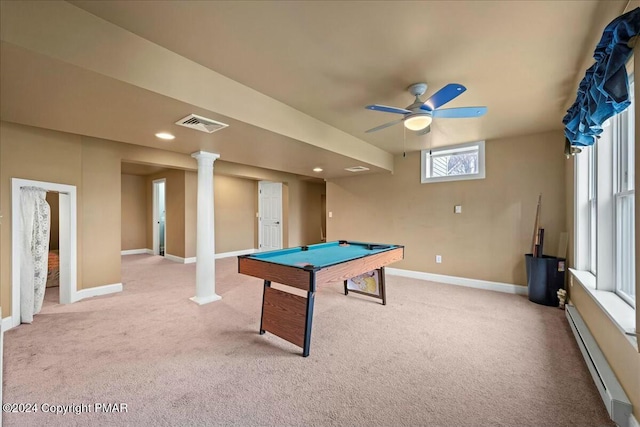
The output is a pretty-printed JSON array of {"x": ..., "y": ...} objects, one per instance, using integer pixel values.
[
  {"x": 7, "y": 323},
  {"x": 235, "y": 253},
  {"x": 136, "y": 252},
  {"x": 175, "y": 258},
  {"x": 459, "y": 281},
  {"x": 180, "y": 260},
  {"x": 97, "y": 291},
  {"x": 191, "y": 260}
]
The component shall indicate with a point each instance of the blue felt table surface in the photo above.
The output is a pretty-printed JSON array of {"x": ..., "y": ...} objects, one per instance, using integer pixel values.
[{"x": 320, "y": 255}]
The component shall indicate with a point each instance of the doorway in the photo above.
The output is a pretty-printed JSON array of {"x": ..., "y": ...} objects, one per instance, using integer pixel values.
[
  {"x": 67, "y": 241},
  {"x": 270, "y": 215},
  {"x": 159, "y": 217},
  {"x": 323, "y": 217},
  {"x": 53, "y": 274}
]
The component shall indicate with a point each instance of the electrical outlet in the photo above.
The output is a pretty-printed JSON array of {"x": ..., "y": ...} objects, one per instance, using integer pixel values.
[
  {"x": 438, "y": 259},
  {"x": 457, "y": 209},
  {"x": 330, "y": 214}
]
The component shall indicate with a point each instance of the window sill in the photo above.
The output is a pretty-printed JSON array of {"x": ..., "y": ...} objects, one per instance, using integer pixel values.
[{"x": 621, "y": 314}]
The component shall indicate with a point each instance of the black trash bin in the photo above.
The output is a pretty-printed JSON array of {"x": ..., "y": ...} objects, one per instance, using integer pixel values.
[{"x": 545, "y": 276}]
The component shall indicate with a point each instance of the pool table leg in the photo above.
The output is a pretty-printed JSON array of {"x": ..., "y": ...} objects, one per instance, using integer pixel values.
[
  {"x": 307, "y": 325},
  {"x": 383, "y": 288},
  {"x": 267, "y": 284}
]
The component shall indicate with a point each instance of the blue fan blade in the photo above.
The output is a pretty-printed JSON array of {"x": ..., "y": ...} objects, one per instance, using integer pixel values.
[
  {"x": 386, "y": 125},
  {"x": 460, "y": 113},
  {"x": 443, "y": 96},
  {"x": 386, "y": 109}
]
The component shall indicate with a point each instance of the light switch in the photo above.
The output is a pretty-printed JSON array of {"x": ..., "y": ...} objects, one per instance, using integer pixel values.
[
  {"x": 330, "y": 214},
  {"x": 457, "y": 209}
]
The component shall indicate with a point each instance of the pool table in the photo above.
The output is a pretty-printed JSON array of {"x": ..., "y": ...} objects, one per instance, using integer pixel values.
[{"x": 290, "y": 316}]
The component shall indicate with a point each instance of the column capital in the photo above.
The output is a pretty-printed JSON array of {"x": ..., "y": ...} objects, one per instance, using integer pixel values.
[{"x": 205, "y": 156}]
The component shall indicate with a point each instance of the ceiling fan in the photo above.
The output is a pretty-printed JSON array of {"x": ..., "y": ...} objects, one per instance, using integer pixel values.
[{"x": 418, "y": 116}]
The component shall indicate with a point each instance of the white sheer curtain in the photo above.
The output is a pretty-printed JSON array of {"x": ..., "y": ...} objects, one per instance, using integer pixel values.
[{"x": 34, "y": 255}]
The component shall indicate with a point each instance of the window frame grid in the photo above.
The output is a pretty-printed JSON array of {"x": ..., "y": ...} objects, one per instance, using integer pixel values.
[{"x": 624, "y": 257}]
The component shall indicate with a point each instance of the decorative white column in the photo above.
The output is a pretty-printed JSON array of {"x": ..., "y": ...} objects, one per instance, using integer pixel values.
[{"x": 205, "y": 239}]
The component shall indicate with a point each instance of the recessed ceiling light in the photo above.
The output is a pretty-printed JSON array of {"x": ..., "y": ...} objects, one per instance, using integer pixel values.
[
  {"x": 164, "y": 135},
  {"x": 317, "y": 169}
]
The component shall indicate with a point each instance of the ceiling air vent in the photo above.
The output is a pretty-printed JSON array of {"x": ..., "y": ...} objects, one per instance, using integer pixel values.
[
  {"x": 357, "y": 169},
  {"x": 201, "y": 123}
]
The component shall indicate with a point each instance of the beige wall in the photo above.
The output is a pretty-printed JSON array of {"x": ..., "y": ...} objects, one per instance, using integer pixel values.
[
  {"x": 190, "y": 213},
  {"x": 40, "y": 155},
  {"x": 101, "y": 212},
  {"x": 235, "y": 213},
  {"x": 236, "y": 205},
  {"x": 134, "y": 212},
  {"x": 93, "y": 166},
  {"x": 175, "y": 211},
  {"x": 295, "y": 192},
  {"x": 488, "y": 240},
  {"x": 311, "y": 202}
]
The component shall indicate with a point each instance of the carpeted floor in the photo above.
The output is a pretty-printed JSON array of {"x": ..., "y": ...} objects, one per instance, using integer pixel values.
[{"x": 436, "y": 355}]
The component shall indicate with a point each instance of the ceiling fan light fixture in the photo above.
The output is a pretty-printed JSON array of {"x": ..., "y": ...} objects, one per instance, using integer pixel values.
[{"x": 417, "y": 121}]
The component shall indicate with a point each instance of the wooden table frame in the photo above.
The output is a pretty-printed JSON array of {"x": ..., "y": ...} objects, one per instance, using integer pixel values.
[
  {"x": 381, "y": 288},
  {"x": 290, "y": 316}
]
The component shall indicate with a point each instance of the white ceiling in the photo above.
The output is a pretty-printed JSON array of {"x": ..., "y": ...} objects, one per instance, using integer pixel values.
[{"x": 522, "y": 59}]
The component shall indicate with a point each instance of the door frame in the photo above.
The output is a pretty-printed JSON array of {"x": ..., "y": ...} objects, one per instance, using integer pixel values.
[
  {"x": 68, "y": 249},
  {"x": 260, "y": 209},
  {"x": 156, "y": 228}
]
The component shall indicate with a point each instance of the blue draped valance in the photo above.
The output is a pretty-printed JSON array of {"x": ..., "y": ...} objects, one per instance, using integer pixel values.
[{"x": 604, "y": 91}]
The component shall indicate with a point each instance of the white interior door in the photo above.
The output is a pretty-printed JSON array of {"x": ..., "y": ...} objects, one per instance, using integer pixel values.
[{"x": 270, "y": 215}]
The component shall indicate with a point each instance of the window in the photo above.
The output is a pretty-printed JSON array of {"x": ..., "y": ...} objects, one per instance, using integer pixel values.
[
  {"x": 592, "y": 209},
  {"x": 624, "y": 195},
  {"x": 605, "y": 208},
  {"x": 458, "y": 162}
]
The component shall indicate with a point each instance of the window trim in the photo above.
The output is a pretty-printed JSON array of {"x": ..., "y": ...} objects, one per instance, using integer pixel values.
[
  {"x": 424, "y": 163},
  {"x": 592, "y": 209},
  {"x": 607, "y": 192},
  {"x": 624, "y": 187}
]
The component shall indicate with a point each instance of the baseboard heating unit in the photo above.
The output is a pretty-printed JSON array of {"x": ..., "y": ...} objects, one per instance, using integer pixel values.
[{"x": 613, "y": 396}]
